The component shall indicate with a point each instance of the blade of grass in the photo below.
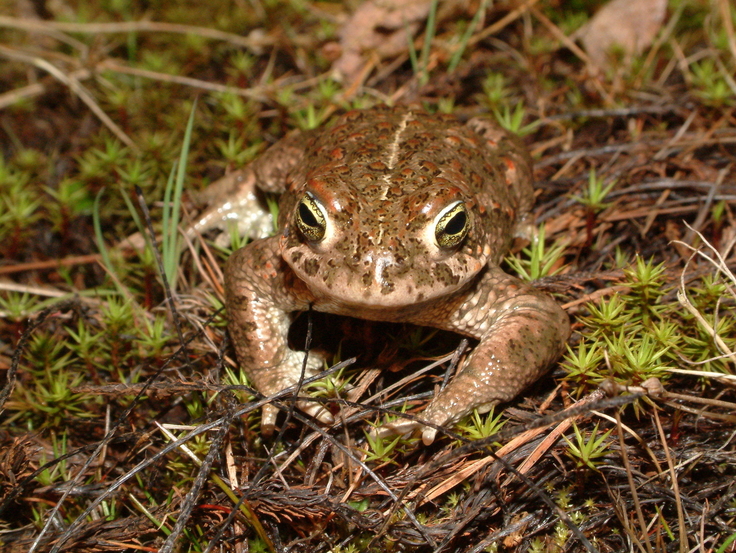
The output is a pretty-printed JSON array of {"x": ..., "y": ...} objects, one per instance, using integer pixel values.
[
  {"x": 412, "y": 51},
  {"x": 172, "y": 207},
  {"x": 428, "y": 36},
  {"x": 168, "y": 237},
  {"x": 465, "y": 39},
  {"x": 419, "y": 65},
  {"x": 106, "y": 262},
  {"x": 98, "y": 231},
  {"x": 159, "y": 524},
  {"x": 134, "y": 214}
]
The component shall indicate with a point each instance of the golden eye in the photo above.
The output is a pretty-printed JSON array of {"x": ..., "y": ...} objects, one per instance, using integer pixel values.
[
  {"x": 452, "y": 225},
  {"x": 310, "y": 219}
]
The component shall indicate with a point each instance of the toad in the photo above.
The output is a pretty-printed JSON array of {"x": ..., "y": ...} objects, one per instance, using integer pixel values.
[{"x": 392, "y": 214}]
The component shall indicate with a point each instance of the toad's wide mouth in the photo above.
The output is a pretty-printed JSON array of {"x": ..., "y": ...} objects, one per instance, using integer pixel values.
[{"x": 380, "y": 282}]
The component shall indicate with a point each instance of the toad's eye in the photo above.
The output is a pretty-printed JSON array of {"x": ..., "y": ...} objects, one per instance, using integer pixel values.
[
  {"x": 452, "y": 225},
  {"x": 311, "y": 218}
]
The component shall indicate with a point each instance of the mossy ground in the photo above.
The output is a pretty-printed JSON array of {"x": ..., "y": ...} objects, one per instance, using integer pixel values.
[{"x": 636, "y": 178}]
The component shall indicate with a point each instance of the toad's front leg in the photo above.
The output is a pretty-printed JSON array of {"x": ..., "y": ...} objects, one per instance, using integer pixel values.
[
  {"x": 261, "y": 292},
  {"x": 521, "y": 331},
  {"x": 237, "y": 198}
]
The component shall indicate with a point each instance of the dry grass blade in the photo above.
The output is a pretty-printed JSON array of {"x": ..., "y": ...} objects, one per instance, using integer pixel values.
[
  {"x": 462, "y": 473},
  {"x": 644, "y": 533},
  {"x": 13, "y": 97},
  {"x": 562, "y": 37},
  {"x": 129, "y": 27},
  {"x": 504, "y": 22},
  {"x": 257, "y": 94},
  {"x": 675, "y": 486},
  {"x": 722, "y": 267},
  {"x": 74, "y": 85},
  {"x": 52, "y": 263}
]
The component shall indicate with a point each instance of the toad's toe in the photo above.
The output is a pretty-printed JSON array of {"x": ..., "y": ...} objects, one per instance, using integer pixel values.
[{"x": 316, "y": 410}]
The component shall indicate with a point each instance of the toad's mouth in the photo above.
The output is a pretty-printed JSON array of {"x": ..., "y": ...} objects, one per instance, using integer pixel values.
[{"x": 381, "y": 282}]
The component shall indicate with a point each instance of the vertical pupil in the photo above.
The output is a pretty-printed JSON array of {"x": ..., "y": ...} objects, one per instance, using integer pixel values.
[
  {"x": 457, "y": 223},
  {"x": 306, "y": 215}
]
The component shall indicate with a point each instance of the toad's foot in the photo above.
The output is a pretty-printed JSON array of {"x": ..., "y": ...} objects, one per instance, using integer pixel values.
[
  {"x": 233, "y": 201},
  {"x": 272, "y": 380},
  {"x": 526, "y": 332}
]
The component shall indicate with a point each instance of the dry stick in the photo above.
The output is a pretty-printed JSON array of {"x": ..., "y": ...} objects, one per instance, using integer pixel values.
[
  {"x": 75, "y": 86},
  {"x": 631, "y": 146},
  {"x": 51, "y": 264},
  {"x": 40, "y": 27},
  {"x": 503, "y": 22},
  {"x": 259, "y": 93},
  {"x": 675, "y": 485},
  {"x": 35, "y": 290},
  {"x": 705, "y": 207},
  {"x": 613, "y": 112},
  {"x": 655, "y": 212},
  {"x": 459, "y": 350},
  {"x": 701, "y": 413},
  {"x": 196, "y": 489},
  {"x": 665, "y": 183},
  {"x": 131, "y": 27},
  {"x": 376, "y": 478},
  {"x": 632, "y": 485},
  {"x": 254, "y": 94},
  {"x": 702, "y": 400},
  {"x": 619, "y": 507},
  {"x": 665, "y": 151},
  {"x": 666, "y": 73},
  {"x": 517, "y": 526},
  {"x": 36, "y": 89},
  {"x": 562, "y": 37}
]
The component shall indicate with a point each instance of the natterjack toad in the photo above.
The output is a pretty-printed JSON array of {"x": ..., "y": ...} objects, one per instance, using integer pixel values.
[{"x": 393, "y": 215}]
